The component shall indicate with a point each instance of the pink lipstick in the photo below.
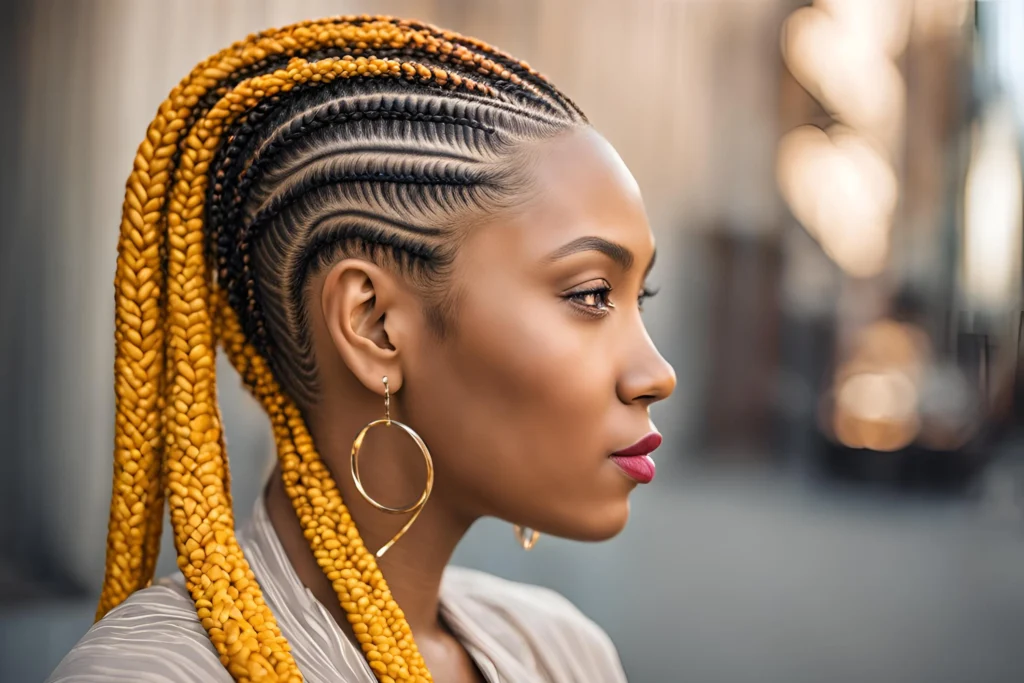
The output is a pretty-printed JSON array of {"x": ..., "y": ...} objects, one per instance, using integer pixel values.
[{"x": 635, "y": 461}]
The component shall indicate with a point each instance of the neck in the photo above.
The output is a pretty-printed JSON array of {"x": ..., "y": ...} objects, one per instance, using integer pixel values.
[{"x": 413, "y": 567}]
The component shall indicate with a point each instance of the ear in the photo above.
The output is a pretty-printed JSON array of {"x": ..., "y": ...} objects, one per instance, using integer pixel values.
[{"x": 364, "y": 309}]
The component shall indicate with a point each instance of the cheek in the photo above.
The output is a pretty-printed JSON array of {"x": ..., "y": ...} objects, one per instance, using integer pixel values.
[{"x": 517, "y": 401}]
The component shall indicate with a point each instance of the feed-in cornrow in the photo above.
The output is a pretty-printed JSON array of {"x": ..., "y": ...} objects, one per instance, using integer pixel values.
[{"x": 366, "y": 136}]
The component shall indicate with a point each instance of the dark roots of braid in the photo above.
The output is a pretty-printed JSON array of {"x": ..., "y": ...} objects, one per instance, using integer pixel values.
[{"x": 362, "y": 136}]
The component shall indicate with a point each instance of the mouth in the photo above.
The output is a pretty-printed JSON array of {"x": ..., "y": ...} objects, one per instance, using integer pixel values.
[{"x": 635, "y": 461}]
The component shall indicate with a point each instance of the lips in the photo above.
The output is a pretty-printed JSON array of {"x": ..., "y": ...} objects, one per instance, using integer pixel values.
[
  {"x": 635, "y": 461},
  {"x": 643, "y": 446}
]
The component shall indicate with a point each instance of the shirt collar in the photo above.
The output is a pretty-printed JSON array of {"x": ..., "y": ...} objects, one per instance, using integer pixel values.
[{"x": 262, "y": 546}]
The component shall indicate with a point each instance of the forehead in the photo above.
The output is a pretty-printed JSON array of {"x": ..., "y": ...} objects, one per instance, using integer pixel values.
[{"x": 579, "y": 186}]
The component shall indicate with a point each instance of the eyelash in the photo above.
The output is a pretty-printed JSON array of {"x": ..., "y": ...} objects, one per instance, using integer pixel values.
[{"x": 588, "y": 309}]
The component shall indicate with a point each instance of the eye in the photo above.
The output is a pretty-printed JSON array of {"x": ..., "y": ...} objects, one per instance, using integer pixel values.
[
  {"x": 593, "y": 300},
  {"x": 645, "y": 294}
]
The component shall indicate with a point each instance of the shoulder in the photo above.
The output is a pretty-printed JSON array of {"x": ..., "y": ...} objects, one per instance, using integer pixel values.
[
  {"x": 518, "y": 598},
  {"x": 541, "y": 614},
  {"x": 152, "y": 637}
]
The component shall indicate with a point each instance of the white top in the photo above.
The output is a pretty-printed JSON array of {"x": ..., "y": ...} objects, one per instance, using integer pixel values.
[{"x": 516, "y": 633}]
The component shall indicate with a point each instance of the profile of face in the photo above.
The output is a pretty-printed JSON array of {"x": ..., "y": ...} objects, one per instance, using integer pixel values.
[
  {"x": 439, "y": 222},
  {"x": 547, "y": 369}
]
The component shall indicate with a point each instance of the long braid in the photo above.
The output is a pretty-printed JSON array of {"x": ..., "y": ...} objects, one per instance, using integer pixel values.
[{"x": 211, "y": 198}]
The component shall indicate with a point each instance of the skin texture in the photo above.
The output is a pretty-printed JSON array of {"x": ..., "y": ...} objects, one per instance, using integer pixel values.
[{"x": 520, "y": 405}]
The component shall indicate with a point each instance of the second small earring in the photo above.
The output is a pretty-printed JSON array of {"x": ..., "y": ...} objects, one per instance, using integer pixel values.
[{"x": 526, "y": 536}]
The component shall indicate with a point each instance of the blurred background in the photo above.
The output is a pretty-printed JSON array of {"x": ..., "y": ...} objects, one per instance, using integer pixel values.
[{"x": 836, "y": 192}]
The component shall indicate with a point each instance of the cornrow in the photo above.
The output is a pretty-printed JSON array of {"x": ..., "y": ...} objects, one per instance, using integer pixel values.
[
  {"x": 358, "y": 135},
  {"x": 468, "y": 126}
]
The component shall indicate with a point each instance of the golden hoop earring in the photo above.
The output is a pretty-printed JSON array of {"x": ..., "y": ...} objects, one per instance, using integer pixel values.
[
  {"x": 416, "y": 507},
  {"x": 526, "y": 540}
]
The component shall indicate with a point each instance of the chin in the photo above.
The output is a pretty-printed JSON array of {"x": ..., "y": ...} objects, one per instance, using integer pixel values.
[{"x": 604, "y": 526}]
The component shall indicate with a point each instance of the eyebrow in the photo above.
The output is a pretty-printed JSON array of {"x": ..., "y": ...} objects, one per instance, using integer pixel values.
[{"x": 616, "y": 252}]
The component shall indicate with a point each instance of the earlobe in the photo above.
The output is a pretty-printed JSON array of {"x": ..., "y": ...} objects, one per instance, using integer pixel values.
[{"x": 356, "y": 302}]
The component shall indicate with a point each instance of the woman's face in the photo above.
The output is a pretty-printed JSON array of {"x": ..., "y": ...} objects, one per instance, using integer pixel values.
[{"x": 540, "y": 378}]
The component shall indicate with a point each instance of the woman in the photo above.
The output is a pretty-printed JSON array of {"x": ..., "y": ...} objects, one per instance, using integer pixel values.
[{"x": 415, "y": 250}]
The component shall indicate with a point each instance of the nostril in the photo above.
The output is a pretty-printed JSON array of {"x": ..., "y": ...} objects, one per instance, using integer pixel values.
[{"x": 646, "y": 400}]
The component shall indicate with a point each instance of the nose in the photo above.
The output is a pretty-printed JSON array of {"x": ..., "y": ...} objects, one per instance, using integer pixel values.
[{"x": 647, "y": 377}]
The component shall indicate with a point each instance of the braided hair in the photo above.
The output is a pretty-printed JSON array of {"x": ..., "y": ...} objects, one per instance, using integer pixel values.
[{"x": 359, "y": 136}]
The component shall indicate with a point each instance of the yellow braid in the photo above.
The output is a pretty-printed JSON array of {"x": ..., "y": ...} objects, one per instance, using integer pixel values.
[{"x": 168, "y": 430}]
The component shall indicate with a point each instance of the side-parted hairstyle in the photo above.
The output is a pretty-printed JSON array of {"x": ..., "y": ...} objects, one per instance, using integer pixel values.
[{"x": 354, "y": 136}]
